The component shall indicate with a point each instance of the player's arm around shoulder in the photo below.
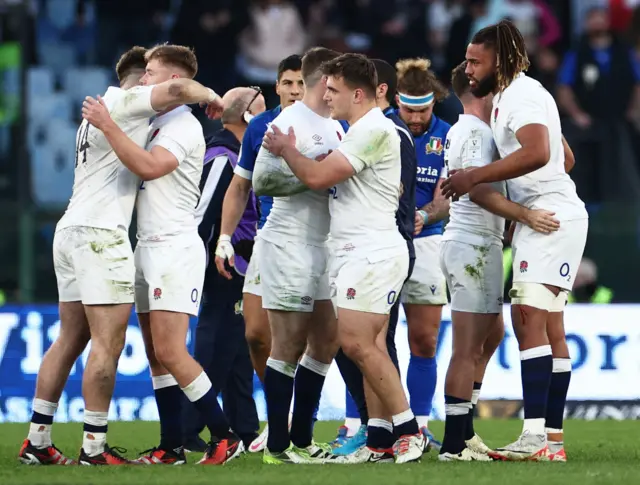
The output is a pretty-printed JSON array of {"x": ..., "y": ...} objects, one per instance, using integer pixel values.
[
  {"x": 331, "y": 170},
  {"x": 271, "y": 174}
]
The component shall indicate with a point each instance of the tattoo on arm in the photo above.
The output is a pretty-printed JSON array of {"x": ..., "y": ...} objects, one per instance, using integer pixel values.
[{"x": 437, "y": 209}]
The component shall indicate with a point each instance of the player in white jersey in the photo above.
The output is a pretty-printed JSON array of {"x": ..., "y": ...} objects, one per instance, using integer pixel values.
[
  {"x": 370, "y": 257},
  {"x": 471, "y": 259},
  {"x": 170, "y": 259},
  {"x": 94, "y": 267},
  {"x": 526, "y": 128},
  {"x": 290, "y": 88},
  {"x": 293, "y": 261}
]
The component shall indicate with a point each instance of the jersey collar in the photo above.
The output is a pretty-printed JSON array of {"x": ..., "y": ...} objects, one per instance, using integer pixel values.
[{"x": 173, "y": 113}]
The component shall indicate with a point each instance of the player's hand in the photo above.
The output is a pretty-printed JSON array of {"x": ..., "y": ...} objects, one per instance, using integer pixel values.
[
  {"x": 459, "y": 183},
  {"x": 419, "y": 222},
  {"x": 95, "y": 111},
  {"x": 224, "y": 252},
  {"x": 214, "y": 107},
  {"x": 542, "y": 221},
  {"x": 275, "y": 141}
]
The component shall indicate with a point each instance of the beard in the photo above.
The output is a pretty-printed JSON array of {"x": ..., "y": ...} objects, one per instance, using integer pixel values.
[{"x": 485, "y": 86}]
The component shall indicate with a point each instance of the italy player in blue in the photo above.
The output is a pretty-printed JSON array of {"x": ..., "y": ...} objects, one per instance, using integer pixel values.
[
  {"x": 290, "y": 88},
  {"x": 424, "y": 294}
]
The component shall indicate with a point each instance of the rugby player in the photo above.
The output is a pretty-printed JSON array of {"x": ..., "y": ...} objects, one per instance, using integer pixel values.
[
  {"x": 170, "y": 258},
  {"x": 290, "y": 88},
  {"x": 425, "y": 292},
  {"x": 526, "y": 128},
  {"x": 375, "y": 428},
  {"x": 293, "y": 264},
  {"x": 370, "y": 257},
  {"x": 94, "y": 265},
  {"x": 471, "y": 259}
]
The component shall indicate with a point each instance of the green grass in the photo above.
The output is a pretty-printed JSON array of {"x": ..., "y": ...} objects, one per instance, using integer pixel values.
[{"x": 599, "y": 452}]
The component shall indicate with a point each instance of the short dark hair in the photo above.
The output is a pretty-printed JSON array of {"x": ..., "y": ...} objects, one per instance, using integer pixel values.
[
  {"x": 415, "y": 78},
  {"x": 291, "y": 63},
  {"x": 178, "y": 56},
  {"x": 387, "y": 75},
  {"x": 312, "y": 61},
  {"x": 460, "y": 80},
  {"x": 356, "y": 70},
  {"x": 511, "y": 53},
  {"x": 132, "y": 60}
]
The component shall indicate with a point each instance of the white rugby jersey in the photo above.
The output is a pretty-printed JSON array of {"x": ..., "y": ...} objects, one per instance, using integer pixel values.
[
  {"x": 104, "y": 190},
  {"x": 470, "y": 144},
  {"x": 304, "y": 215},
  {"x": 525, "y": 102},
  {"x": 363, "y": 207},
  {"x": 167, "y": 205}
]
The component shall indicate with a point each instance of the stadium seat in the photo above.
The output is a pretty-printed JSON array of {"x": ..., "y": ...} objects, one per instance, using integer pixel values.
[
  {"x": 82, "y": 82},
  {"x": 61, "y": 133},
  {"x": 52, "y": 106},
  {"x": 40, "y": 81},
  {"x": 52, "y": 169},
  {"x": 58, "y": 56},
  {"x": 61, "y": 13}
]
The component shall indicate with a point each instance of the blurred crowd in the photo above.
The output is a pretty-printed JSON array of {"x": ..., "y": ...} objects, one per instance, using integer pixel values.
[{"x": 585, "y": 51}]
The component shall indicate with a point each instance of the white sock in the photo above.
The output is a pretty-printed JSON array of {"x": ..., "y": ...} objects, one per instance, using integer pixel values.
[
  {"x": 93, "y": 443},
  {"x": 198, "y": 387},
  {"x": 555, "y": 445},
  {"x": 380, "y": 423},
  {"x": 423, "y": 421},
  {"x": 314, "y": 365},
  {"x": 352, "y": 425},
  {"x": 475, "y": 396},
  {"x": 40, "y": 434},
  {"x": 403, "y": 417},
  {"x": 534, "y": 426}
]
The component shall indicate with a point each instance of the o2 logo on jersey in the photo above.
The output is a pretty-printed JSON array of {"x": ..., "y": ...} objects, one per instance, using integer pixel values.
[
  {"x": 565, "y": 269},
  {"x": 194, "y": 295},
  {"x": 333, "y": 192}
]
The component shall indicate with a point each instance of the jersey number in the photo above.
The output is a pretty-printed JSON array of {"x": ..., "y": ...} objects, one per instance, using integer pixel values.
[
  {"x": 82, "y": 144},
  {"x": 333, "y": 191}
]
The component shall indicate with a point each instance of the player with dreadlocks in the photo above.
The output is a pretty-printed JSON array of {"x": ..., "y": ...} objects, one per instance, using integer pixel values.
[{"x": 526, "y": 129}]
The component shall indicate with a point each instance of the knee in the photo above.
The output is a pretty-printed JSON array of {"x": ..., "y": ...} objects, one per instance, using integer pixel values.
[
  {"x": 110, "y": 347},
  {"x": 356, "y": 351},
  {"x": 168, "y": 354},
  {"x": 423, "y": 343},
  {"x": 257, "y": 339}
]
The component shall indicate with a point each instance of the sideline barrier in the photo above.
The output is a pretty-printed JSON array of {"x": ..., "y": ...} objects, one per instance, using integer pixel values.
[{"x": 604, "y": 341}]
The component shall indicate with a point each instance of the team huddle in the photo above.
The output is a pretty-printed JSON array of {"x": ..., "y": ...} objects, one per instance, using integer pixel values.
[{"x": 353, "y": 198}]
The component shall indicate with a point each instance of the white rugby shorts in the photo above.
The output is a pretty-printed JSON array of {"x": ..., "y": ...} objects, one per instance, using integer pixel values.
[
  {"x": 293, "y": 275},
  {"x": 427, "y": 285},
  {"x": 94, "y": 266},
  {"x": 474, "y": 276},
  {"x": 550, "y": 259},
  {"x": 370, "y": 283},
  {"x": 170, "y": 276}
]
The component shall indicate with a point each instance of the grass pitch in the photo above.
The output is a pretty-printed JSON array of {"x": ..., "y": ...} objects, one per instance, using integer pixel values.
[{"x": 598, "y": 451}]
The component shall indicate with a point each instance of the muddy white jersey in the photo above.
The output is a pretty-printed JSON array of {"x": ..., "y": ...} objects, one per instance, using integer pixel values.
[
  {"x": 166, "y": 206},
  {"x": 470, "y": 144},
  {"x": 363, "y": 207},
  {"x": 299, "y": 214},
  {"x": 104, "y": 190},
  {"x": 524, "y": 102}
]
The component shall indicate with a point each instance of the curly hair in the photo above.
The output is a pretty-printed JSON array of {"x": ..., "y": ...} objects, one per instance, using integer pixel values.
[
  {"x": 416, "y": 79},
  {"x": 511, "y": 53}
]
